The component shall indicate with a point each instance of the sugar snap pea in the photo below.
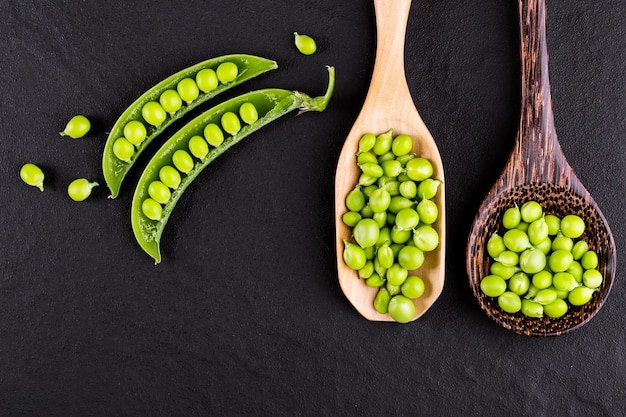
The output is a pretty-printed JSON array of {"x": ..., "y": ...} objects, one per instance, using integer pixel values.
[
  {"x": 166, "y": 102},
  {"x": 149, "y": 216}
]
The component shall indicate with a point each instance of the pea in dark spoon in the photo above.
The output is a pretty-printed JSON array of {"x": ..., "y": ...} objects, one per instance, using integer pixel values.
[{"x": 537, "y": 170}]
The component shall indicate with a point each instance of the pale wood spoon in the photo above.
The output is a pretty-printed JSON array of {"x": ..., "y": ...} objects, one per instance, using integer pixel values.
[
  {"x": 388, "y": 105},
  {"x": 537, "y": 170}
]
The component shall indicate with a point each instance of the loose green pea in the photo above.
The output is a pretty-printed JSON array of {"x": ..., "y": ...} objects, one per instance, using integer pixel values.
[
  {"x": 366, "y": 158},
  {"x": 366, "y": 143},
  {"x": 493, "y": 285},
  {"x": 248, "y": 113},
  {"x": 32, "y": 175},
  {"x": 305, "y": 44},
  {"x": 495, "y": 245},
  {"x": 77, "y": 127},
  {"x": 213, "y": 134},
  {"x": 380, "y": 219},
  {"x": 153, "y": 113},
  {"x": 508, "y": 258},
  {"x": 410, "y": 258},
  {"x": 426, "y": 238},
  {"x": 171, "y": 101},
  {"x": 182, "y": 161},
  {"x": 354, "y": 256},
  {"x": 198, "y": 147},
  {"x": 372, "y": 170},
  {"x": 572, "y": 226},
  {"x": 511, "y": 217},
  {"x": 207, "y": 80},
  {"x": 510, "y": 302},
  {"x": 401, "y": 145},
  {"x": 532, "y": 309},
  {"x": 408, "y": 189},
  {"x": 375, "y": 281},
  {"x": 135, "y": 132},
  {"x": 531, "y": 211},
  {"x": 554, "y": 224},
  {"x": 580, "y": 295},
  {"x": 227, "y": 72},
  {"x": 502, "y": 271},
  {"x": 367, "y": 270},
  {"x": 80, "y": 189},
  {"x": 391, "y": 168},
  {"x": 393, "y": 289},
  {"x": 396, "y": 275},
  {"x": 188, "y": 89},
  {"x": 428, "y": 188},
  {"x": 401, "y": 309},
  {"x": 428, "y": 211},
  {"x": 151, "y": 209},
  {"x": 542, "y": 280},
  {"x": 383, "y": 144},
  {"x": 123, "y": 149},
  {"x": 159, "y": 192},
  {"x": 413, "y": 287},
  {"x": 555, "y": 309},
  {"x": 384, "y": 255},
  {"x": 419, "y": 169},
  {"x": 230, "y": 123},
  {"x": 592, "y": 278},
  {"x": 579, "y": 249},
  {"x": 519, "y": 283},
  {"x": 545, "y": 296},
  {"x": 170, "y": 176},
  {"x": 562, "y": 243}
]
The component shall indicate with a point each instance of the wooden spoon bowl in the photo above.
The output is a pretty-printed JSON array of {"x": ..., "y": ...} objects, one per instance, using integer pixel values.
[
  {"x": 537, "y": 170},
  {"x": 388, "y": 105}
]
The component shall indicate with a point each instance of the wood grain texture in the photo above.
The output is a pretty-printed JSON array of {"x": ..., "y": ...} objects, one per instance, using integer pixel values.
[
  {"x": 388, "y": 104},
  {"x": 538, "y": 170}
]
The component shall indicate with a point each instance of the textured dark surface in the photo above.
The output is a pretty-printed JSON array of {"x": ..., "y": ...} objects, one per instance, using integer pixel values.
[{"x": 244, "y": 316}]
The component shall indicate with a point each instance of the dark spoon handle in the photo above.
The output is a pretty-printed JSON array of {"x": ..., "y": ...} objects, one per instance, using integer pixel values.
[{"x": 537, "y": 155}]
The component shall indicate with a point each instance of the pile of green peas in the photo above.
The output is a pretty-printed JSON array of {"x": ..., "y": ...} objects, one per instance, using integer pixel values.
[
  {"x": 541, "y": 266},
  {"x": 154, "y": 113},
  {"x": 170, "y": 177},
  {"x": 391, "y": 214}
]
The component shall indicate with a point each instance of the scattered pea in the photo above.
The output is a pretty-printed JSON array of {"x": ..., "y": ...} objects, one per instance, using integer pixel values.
[
  {"x": 80, "y": 189},
  {"x": 77, "y": 127},
  {"x": 305, "y": 44},
  {"x": 32, "y": 175}
]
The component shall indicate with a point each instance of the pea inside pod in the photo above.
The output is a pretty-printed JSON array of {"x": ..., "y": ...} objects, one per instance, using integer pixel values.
[
  {"x": 149, "y": 216},
  {"x": 168, "y": 101}
]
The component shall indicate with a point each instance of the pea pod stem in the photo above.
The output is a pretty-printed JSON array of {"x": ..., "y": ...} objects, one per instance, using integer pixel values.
[
  {"x": 113, "y": 168},
  {"x": 270, "y": 104}
]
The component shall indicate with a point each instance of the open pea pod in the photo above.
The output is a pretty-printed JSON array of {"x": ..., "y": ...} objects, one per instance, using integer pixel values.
[
  {"x": 154, "y": 201},
  {"x": 179, "y": 98}
]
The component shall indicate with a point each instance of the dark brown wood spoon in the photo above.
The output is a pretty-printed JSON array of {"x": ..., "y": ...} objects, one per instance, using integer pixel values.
[{"x": 537, "y": 170}]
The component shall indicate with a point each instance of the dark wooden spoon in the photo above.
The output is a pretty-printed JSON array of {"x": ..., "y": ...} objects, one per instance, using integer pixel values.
[{"x": 537, "y": 170}]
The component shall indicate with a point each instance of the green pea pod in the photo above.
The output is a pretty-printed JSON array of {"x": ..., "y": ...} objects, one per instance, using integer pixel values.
[
  {"x": 270, "y": 105},
  {"x": 115, "y": 169}
]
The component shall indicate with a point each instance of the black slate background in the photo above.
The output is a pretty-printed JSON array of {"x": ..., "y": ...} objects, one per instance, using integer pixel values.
[{"x": 245, "y": 316}]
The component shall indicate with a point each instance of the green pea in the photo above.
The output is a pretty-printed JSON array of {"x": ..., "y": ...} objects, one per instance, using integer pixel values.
[
  {"x": 554, "y": 224},
  {"x": 407, "y": 219},
  {"x": 366, "y": 232},
  {"x": 383, "y": 143},
  {"x": 545, "y": 246},
  {"x": 366, "y": 143},
  {"x": 408, "y": 189},
  {"x": 538, "y": 231},
  {"x": 380, "y": 219},
  {"x": 198, "y": 147},
  {"x": 542, "y": 280},
  {"x": 367, "y": 270},
  {"x": 555, "y": 309},
  {"x": 508, "y": 258},
  {"x": 393, "y": 289},
  {"x": 151, "y": 209},
  {"x": 366, "y": 158},
  {"x": 511, "y": 217},
  {"x": 410, "y": 258},
  {"x": 495, "y": 245},
  {"x": 77, "y": 127},
  {"x": 562, "y": 243},
  {"x": 379, "y": 200},
  {"x": 372, "y": 170},
  {"x": 171, "y": 101},
  {"x": 80, "y": 189},
  {"x": 398, "y": 203},
  {"x": 159, "y": 192},
  {"x": 392, "y": 187},
  {"x": 188, "y": 90},
  {"x": 516, "y": 240},
  {"x": 230, "y": 123},
  {"x": 532, "y": 261},
  {"x": 248, "y": 113},
  {"x": 353, "y": 255},
  {"x": 153, "y": 113},
  {"x": 227, "y": 72},
  {"x": 206, "y": 80},
  {"x": 384, "y": 255},
  {"x": 576, "y": 270},
  {"x": 428, "y": 211},
  {"x": 381, "y": 301},
  {"x": 592, "y": 278},
  {"x": 366, "y": 180},
  {"x": 351, "y": 218},
  {"x": 579, "y": 249},
  {"x": 404, "y": 159},
  {"x": 493, "y": 285},
  {"x": 402, "y": 145},
  {"x": 413, "y": 287},
  {"x": 32, "y": 175},
  {"x": 589, "y": 260},
  {"x": 170, "y": 176},
  {"x": 366, "y": 212},
  {"x": 580, "y": 295},
  {"x": 426, "y": 238},
  {"x": 545, "y": 296},
  {"x": 213, "y": 134},
  {"x": 572, "y": 226},
  {"x": 428, "y": 188},
  {"x": 401, "y": 309},
  {"x": 135, "y": 132},
  {"x": 502, "y": 271},
  {"x": 396, "y": 275},
  {"x": 182, "y": 161},
  {"x": 519, "y": 283},
  {"x": 370, "y": 252},
  {"x": 560, "y": 260},
  {"x": 305, "y": 44},
  {"x": 510, "y": 302},
  {"x": 391, "y": 168},
  {"x": 375, "y": 281},
  {"x": 419, "y": 169},
  {"x": 532, "y": 309},
  {"x": 531, "y": 211}
]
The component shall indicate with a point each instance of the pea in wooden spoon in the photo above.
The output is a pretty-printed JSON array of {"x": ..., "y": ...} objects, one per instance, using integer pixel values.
[
  {"x": 537, "y": 170},
  {"x": 388, "y": 105}
]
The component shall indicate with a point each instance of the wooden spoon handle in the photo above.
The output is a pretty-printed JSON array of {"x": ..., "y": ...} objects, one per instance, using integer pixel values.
[
  {"x": 537, "y": 155},
  {"x": 389, "y": 78}
]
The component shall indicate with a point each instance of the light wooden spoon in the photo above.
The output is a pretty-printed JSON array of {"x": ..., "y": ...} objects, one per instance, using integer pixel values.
[
  {"x": 388, "y": 105},
  {"x": 537, "y": 170}
]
